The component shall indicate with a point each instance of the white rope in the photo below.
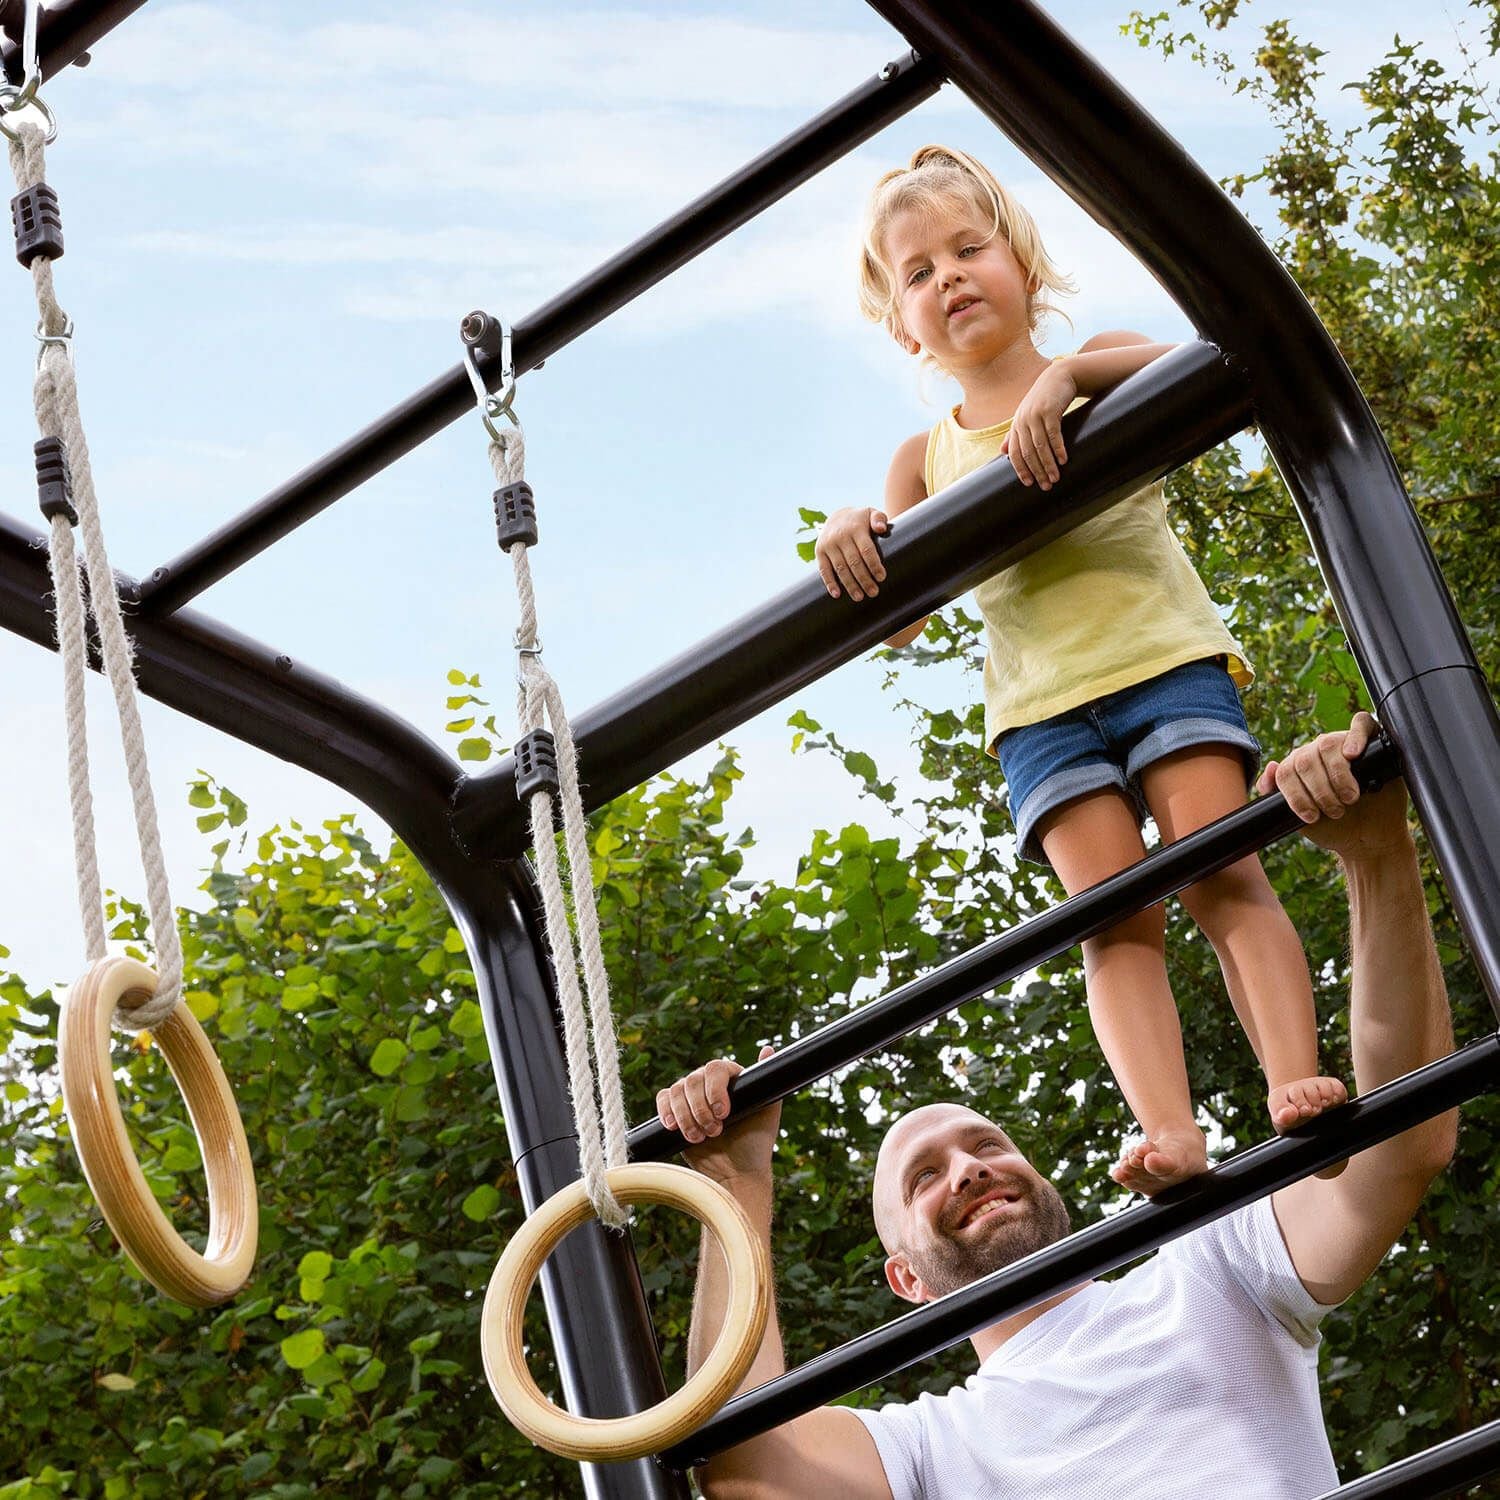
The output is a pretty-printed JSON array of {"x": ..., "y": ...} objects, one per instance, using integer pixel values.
[
  {"x": 56, "y": 399},
  {"x": 540, "y": 705}
]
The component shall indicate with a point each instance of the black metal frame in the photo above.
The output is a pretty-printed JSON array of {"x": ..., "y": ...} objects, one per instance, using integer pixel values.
[{"x": 1277, "y": 367}]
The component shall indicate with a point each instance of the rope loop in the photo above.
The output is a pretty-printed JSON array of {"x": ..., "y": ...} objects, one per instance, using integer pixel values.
[
  {"x": 588, "y": 1022},
  {"x": 55, "y": 395}
]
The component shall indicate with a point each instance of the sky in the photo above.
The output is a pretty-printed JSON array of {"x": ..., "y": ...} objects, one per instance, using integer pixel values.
[{"x": 275, "y": 216}]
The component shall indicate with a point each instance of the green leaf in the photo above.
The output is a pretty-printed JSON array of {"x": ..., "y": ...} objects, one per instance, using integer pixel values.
[
  {"x": 299, "y": 1350},
  {"x": 387, "y": 1057},
  {"x": 474, "y": 749},
  {"x": 368, "y": 1376},
  {"x": 468, "y": 1020},
  {"x": 481, "y": 1203},
  {"x": 315, "y": 1265}
]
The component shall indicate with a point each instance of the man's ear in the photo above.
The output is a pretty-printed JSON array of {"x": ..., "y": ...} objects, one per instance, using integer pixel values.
[{"x": 903, "y": 1281}]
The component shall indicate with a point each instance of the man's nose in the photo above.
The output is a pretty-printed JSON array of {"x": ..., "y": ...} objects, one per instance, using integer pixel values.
[{"x": 969, "y": 1169}]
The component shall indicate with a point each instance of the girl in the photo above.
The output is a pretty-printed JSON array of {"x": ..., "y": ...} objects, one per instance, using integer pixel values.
[{"x": 1110, "y": 680}]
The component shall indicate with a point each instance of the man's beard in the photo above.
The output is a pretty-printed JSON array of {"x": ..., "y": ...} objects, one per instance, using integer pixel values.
[{"x": 948, "y": 1263}]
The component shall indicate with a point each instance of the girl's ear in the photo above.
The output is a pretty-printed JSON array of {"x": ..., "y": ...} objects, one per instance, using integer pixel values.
[
  {"x": 897, "y": 331},
  {"x": 1033, "y": 284}
]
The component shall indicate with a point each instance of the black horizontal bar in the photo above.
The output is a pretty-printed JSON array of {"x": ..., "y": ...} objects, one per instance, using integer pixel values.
[
  {"x": 1102, "y": 1247},
  {"x": 899, "y": 87},
  {"x": 65, "y": 30},
  {"x": 1173, "y": 410},
  {"x": 1444, "y": 1469},
  {"x": 880, "y": 1022}
]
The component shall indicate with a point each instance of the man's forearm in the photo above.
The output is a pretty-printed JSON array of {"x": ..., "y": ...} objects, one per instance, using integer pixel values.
[
  {"x": 753, "y": 1193},
  {"x": 1398, "y": 1004}
]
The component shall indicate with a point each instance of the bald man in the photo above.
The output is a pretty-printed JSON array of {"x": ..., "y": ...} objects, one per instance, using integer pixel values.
[{"x": 1193, "y": 1374}]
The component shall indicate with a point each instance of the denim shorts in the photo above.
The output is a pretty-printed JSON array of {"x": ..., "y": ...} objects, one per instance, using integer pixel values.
[{"x": 1110, "y": 741}]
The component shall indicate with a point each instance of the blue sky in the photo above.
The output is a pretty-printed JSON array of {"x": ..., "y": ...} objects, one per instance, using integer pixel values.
[{"x": 275, "y": 216}]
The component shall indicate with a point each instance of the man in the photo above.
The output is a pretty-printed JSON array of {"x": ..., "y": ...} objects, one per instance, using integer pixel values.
[{"x": 1195, "y": 1373}]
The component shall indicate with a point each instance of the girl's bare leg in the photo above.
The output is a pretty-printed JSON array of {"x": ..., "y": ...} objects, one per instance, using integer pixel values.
[
  {"x": 1130, "y": 1001},
  {"x": 1265, "y": 967}
]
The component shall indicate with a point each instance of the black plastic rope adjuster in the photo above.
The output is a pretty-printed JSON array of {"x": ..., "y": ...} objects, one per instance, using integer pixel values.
[
  {"x": 37, "y": 221},
  {"x": 515, "y": 515},
  {"x": 54, "y": 480},
  {"x": 536, "y": 764}
]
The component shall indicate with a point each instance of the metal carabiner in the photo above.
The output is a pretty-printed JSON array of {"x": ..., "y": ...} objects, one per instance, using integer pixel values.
[
  {"x": 15, "y": 97},
  {"x": 494, "y": 404}
]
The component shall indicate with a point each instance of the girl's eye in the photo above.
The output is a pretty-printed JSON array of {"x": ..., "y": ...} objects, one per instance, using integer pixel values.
[
  {"x": 918, "y": 275},
  {"x": 967, "y": 251}
]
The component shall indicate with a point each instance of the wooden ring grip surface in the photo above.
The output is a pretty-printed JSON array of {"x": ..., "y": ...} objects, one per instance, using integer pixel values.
[
  {"x": 130, "y": 1208},
  {"x": 683, "y": 1412}
]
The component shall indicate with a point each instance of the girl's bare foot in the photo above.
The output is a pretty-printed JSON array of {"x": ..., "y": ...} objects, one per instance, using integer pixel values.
[
  {"x": 1162, "y": 1160},
  {"x": 1293, "y": 1104}
]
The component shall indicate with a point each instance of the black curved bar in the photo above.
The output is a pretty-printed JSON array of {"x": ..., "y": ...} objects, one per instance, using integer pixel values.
[
  {"x": 606, "y": 1348},
  {"x": 65, "y": 30},
  {"x": 1170, "y": 412},
  {"x": 261, "y": 696},
  {"x": 1115, "y": 160},
  {"x": 1102, "y": 1247},
  {"x": 878, "y": 1023},
  {"x": 899, "y": 87},
  {"x": 1444, "y": 1469}
]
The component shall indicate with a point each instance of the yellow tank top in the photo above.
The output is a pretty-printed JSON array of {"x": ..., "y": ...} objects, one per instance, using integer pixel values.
[{"x": 1113, "y": 602}]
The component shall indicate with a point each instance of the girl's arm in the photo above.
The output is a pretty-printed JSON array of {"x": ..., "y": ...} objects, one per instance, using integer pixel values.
[
  {"x": 848, "y": 558},
  {"x": 1035, "y": 440}
]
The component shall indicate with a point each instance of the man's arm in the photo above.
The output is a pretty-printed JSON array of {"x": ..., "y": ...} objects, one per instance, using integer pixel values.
[
  {"x": 827, "y": 1453},
  {"x": 1339, "y": 1230}
]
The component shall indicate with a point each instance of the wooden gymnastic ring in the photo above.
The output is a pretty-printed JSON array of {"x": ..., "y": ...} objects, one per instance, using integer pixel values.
[
  {"x": 130, "y": 1208},
  {"x": 604, "y": 1439}
]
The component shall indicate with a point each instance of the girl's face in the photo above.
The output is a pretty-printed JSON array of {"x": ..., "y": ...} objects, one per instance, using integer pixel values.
[{"x": 963, "y": 294}]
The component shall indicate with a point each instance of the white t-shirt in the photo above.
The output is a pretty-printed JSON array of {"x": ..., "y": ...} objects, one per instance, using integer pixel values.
[{"x": 1193, "y": 1375}]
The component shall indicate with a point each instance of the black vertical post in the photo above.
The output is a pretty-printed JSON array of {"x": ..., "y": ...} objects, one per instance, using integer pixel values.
[
  {"x": 1116, "y": 161},
  {"x": 602, "y": 1335}
]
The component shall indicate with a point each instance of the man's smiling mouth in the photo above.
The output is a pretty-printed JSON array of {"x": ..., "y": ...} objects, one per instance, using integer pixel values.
[{"x": 987, "y": 1207}]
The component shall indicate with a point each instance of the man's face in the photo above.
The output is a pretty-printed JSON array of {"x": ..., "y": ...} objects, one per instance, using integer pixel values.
[{"x": 955, "y": 1200}]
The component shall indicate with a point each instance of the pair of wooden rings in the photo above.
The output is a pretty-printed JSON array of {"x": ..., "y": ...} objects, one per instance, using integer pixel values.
[
  {"x": 130, "y": 1208},
  {"x": 602, "y": 1439}
]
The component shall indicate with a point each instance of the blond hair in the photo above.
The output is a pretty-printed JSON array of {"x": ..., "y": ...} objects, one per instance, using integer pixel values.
[{"x": 939, "y": 180}]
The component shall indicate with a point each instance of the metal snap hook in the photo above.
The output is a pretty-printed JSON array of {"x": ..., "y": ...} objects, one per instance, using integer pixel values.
[
  {"x": 16, "y": 97},
  {"x": 496, "y": 404},
  {"x": 63, "y": 340}
]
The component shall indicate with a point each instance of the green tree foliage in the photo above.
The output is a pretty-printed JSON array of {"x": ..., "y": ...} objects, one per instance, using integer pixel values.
[{"x": 339, "y": 998}]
